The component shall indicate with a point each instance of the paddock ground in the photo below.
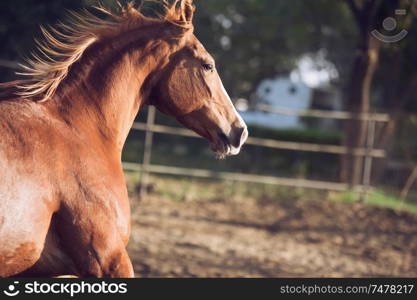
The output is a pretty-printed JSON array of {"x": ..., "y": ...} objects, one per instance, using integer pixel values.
[{"x": 265, "y": 238}]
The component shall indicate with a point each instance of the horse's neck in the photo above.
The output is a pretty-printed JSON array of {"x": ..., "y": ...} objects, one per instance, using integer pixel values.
[{"x": 109, "y": 98}]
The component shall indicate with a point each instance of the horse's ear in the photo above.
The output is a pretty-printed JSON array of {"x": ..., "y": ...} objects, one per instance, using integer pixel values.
[
  {"x": 180, "y": 12},
  {"x": 187, "y": 8}
]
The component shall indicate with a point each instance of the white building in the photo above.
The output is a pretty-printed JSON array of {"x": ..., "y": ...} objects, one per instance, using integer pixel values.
[
  {"x": 280, "y": 92},
  {"x": 308, "y": 86}
]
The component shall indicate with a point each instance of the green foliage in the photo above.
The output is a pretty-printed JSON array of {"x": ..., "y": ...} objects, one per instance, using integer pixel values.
[
  {"x": 251, "y": 39},
  {"x": 377, "y": 198},
  {"x": 19, "y": 25},
  {"x": 257, "y": 39},
  {"x": 20, "y": 20},
  {"x": 189, "y": 189}
]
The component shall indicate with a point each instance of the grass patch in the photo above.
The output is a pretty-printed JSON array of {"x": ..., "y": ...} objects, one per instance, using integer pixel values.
[
  {"x": 181, "y": 188},
  {"x": 377, "y": 198}
]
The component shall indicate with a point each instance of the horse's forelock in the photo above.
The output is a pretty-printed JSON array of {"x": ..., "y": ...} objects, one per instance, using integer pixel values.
[{"x": 180, "y": 12}]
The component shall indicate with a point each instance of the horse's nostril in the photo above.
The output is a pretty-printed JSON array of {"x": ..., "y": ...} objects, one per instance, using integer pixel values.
[{"x": 239, "y": 136}]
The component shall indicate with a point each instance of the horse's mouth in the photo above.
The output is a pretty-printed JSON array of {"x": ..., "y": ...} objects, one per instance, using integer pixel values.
[{"x": 223, "y": 148}]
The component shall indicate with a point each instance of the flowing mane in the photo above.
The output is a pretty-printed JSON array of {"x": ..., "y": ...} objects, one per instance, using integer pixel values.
[{"x": 64, "y": 44}]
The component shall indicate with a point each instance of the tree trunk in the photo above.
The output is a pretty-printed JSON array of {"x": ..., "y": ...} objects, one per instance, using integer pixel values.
[
  {"x": 395, "y": 103},
  {"x": 358, "y": 101}
]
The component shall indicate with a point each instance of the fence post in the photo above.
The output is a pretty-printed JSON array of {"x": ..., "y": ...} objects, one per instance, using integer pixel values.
[
  {"x": 367, "y": 169},
  {"x": 147, "y": 153}
]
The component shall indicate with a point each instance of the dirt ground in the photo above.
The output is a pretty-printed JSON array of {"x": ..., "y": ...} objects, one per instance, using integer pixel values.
[{"x": 271, "y": 239}]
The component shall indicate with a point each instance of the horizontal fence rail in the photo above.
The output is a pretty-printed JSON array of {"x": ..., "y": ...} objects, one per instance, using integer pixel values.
[
  {"x": 268, "y": 143},
  {"x": 324, "y": 114},
  {"x": 304, "y": 183},
  {"x": 368, "y": 153}
]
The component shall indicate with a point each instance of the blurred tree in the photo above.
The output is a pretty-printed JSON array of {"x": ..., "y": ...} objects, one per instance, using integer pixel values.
[
  {"x": 19, "y": 23},
  {"x": 251, "y": 39},
  {"x": 396, "y": 83},
  {"x": 258, "y": 39},
  {"x": 368, "y": 15}
]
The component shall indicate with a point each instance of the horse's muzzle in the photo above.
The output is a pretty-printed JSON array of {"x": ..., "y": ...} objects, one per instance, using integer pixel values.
[{"x": 232, "y": 144}]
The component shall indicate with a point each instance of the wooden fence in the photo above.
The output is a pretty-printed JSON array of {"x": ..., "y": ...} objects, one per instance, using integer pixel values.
[{"x": 369, "y": 153}]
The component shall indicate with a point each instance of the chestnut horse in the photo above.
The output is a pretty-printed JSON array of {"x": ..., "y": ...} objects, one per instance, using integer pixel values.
[{"x": 64, "y": 207}]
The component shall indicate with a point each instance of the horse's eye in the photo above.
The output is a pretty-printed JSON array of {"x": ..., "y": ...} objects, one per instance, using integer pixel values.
[{"x": 208, "y": 67}]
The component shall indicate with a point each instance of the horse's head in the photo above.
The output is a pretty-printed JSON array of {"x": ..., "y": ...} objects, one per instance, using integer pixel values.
[{"x": 191, "y": 90}]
